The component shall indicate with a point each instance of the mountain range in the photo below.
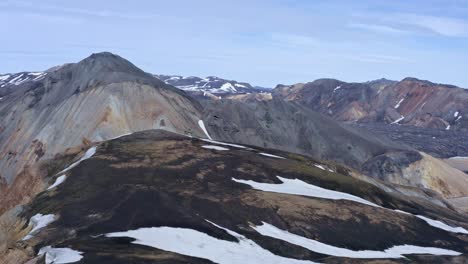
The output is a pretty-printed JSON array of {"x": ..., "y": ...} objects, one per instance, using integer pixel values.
[{"x": 102, "y": 162}]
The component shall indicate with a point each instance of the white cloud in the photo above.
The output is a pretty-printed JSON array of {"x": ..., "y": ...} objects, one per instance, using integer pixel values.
[
  {"x": 377, "y": 28},
  {"x": 445, "y": 26}
]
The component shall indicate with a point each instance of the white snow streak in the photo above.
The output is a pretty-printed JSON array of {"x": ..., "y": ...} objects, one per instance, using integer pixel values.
[
  {"x": 58, "y": 181},
  {"x": 60, "y": 255},
  {"x": 227, "y": 87},
  {"x": 240, "y": 85},
  {"x": 123, "y": 135},
  {"x": 4, "y": 77},
  {"x": 214, "y": 147},
  {"x": 299, "y": 187},
  {"x": 399, "y": 103},
  {"x": 316, "y": 246},
  {"x": 270, "y": 155},
  {"x": 88, "y": 154},
  {"x": 223, "y": 143},
  {"x": 319, "y": 166},
  {"x": 443, "y": 226},
  {"x": 202, "y": 126},
  {"x": 38, "y": 222},
  {"x": 193, "y": 243},
  {"x": 398, "y": 120},
  {"x": 337, "y": 88},
  {"x": 448, "y": 127}
]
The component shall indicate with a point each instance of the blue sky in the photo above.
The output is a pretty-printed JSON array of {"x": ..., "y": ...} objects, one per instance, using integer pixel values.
[{"x": 264, "y": 42}]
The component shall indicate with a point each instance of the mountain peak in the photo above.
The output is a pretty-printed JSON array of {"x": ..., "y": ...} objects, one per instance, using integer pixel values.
[
  {"x": 428, "y": 83},
  {"x": 103, "y": 68}
]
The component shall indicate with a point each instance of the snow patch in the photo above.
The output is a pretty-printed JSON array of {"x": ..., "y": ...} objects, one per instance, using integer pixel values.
[
  {"x": 60, "y": 255},
  {"x": 13, "y": 81},
  {"x": 299, "y": 187},
  {"x": 319, "y": 247},
  {"x": 443, "y": 226},
  {"x": 337, "y": 88},
  {"x": 437, "y": 224},
  {"x": 88, "y": 154},
  {"x": 193, "y": 243},
  {"x": 448, "y": 127},
  {"x": 57, "y": 182},
  {"x": 214, "y": 147},
  {"x": 398, "y": 120},
  {"x": 319, "y": 166},
  {"x": 38, "y": 222},
  {"x": 227, "y": 87},
  {"x": 240, "y": 85},
  {"x": 399, "y": 103},
  {"x": 119, "y": 136},
  {"x": 458, "y": 118},
  {"x": 456, "y": 114},
  {"x": 202, "y": 126},
  {"x": 4, "y": 77},
  {"x": 270, "y": 155},
  {"x": 223, "y": 143}
]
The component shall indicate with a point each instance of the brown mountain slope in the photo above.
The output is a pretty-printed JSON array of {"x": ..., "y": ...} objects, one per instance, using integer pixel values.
[{"x": 410, "y": 101}]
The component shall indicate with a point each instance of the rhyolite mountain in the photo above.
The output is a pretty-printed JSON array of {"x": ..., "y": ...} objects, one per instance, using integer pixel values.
[
  {"x": 408, "y": 102},
  {"x": 105, "y": 96},
  {"x": 160, "y": 197},
  {"x": 76, "y": 172},
  {"x": 98, "y": 98}
]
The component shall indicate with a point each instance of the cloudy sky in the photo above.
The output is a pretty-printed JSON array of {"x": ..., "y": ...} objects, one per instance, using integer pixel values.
[{"x": 264, "y": 42}]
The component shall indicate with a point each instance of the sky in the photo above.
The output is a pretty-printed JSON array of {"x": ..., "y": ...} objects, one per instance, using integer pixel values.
[{"x": 264, "y": 42}]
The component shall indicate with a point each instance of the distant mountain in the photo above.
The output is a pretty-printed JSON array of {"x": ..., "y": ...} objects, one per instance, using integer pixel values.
[
  {"x": 8, "y": 82},
  {"x": 408, "y": 102},
  {"x": 211, "y": 84}
]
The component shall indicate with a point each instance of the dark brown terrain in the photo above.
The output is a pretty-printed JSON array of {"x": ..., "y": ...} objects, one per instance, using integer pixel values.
[{"x": 159, "y": 179}]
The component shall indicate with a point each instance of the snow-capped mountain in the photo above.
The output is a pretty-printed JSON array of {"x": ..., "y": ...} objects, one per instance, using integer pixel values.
[
  {"x": 210, "y": 84},
  {"x": 19, "y": 78}
]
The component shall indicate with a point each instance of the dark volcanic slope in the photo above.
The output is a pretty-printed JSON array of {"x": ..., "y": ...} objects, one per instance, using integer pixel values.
[
  {"x": 289, "y": 126},
  {"x": 410, "y": 101},
  {"x": 279, "y": 124},
  {"x": 156, "y": 179}
]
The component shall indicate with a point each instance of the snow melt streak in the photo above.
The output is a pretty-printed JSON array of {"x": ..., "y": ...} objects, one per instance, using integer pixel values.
[
  {"x": 270, "y": 155},
  {"x": 299, "y": 187},
  {"x": 214, "y": 147},
  {"x": 193, "y": 243},
  {"x": 88, "y": 154},
  {"x": 202, "y": 126},
  {"x": 316, "y": 246},
  {"x": 57, "y": 182}
]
